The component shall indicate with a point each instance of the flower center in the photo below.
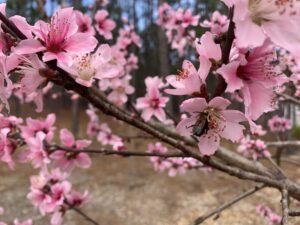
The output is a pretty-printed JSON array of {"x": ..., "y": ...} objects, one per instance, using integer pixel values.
[
  {"x": 120, "y": 89},
  {"x": 262, "y": 67},
  {"x": 86, "y": 70},
  {"x": 154, "y": 103},
  {"x": 83, "y": 28},
  {"x": 182, "y": 74}
]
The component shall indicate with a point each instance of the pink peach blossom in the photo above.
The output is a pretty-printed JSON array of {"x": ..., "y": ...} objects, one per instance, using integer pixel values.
[
  {"x": 152, "y": 104},
  {"x": 58, "y": 39},
  {"x": 84, "y": 23},
  {"x": 218, "y": 23},
  {"x": 68, "y": 160},
  {"x": 257, "y": 20},
  {"x": 255, "y": 75},
  {"x": 214, "y": 122},
  {"x": 187, "y": 82},
  {"x": 104, "y": 25}
]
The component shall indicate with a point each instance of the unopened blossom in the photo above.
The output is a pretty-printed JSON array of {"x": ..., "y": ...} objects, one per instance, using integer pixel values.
[
  {"x": 255, "y": 76},
  {"x": 218, "y": 23},
  {"x": 209, "y": 53},
  {"x": 84, "y": 23},
  {"x": 187, "y": 82},
  {"x": 67, "y": 161},
  {"x": 85, "y": 68},
  {"x": 210, "y": 122},
  {"x": 255, "y": 20},
  {"x": 58, "y": 39},
  {"x": 104, "y": 25},
  {"x": 279, "y": 124},
  {"x": 153, "y": 103},
  {"x": 33, "y": 126}
]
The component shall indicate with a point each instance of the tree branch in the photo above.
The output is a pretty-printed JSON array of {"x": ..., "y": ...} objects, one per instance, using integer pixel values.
[
  {"x": 290, "y": 98},
  {"x": 283, "y": 144},
  {"x": 285, "y": 207},
  {"x": 54, "y": 148},
  {"x": 228, "y": 204},
  {"x": 81, "y": 213},
  {"x": 221, "y": 84}
]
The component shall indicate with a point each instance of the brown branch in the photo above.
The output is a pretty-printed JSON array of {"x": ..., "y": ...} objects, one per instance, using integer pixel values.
[
  {"x": 42, "y": 12},
  {"x": 285, "y": 207},
  {"x": 54, "y": 148},
  {"x": 283, "y": 144},
  {"x": 294, "y": 213},
  {"x": 291, "y": 161},
  {"x": 280, "y": 173},
  {"x": 81, "y": 213},
  {"x": 221, "y": 84},
  {"x": 290, "y": 98},
  {"x": 228, "y": 204}
]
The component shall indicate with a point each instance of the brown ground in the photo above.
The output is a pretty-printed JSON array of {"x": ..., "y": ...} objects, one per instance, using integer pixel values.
[{"x": 126, "y": 191}]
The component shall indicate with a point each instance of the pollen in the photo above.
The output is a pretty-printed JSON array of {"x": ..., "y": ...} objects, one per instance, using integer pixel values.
[{"x": 182, "y": 74}]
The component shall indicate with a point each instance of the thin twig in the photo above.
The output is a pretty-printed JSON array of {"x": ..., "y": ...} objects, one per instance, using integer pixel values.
[
  {"x": 55, "y": 148},
  {"x": 221, "y": 84},
  {"x": 283, "y": 144},
  {"x": 277, "y": 167},
  {"x": 294, "y": 213},
  {"x": 290, "y": 98},
  {"x": 285, "y": 207},
  {"x": 291, "y": 161},
  {"x": 85, "y": 216},
  {"x": 81, "y": 213},
  {"x": 228, "y": 204}
]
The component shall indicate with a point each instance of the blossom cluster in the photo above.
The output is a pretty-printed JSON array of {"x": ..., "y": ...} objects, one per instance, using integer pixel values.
[
  {"x": 279, "y": 124},
  {"x": 50, "y": 191},
  {"x": 172, "y": 165},
  {"x": 176, "y": 24},
  {"x": 251, "y": 71},
  {"x": 253, "y": 148},
  {"x": 102, "y": 131},
  {"x": 52, "y": 194}
]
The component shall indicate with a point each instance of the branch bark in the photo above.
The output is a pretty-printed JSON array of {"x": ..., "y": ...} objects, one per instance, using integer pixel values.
[{"x": 228, "y": 204}]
